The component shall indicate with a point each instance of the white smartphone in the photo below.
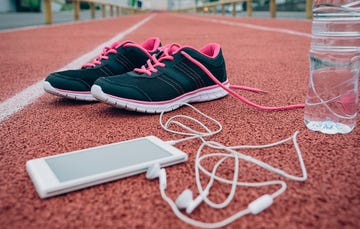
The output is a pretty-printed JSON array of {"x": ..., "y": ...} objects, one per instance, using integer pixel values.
[{"x": 75, "y": 170}]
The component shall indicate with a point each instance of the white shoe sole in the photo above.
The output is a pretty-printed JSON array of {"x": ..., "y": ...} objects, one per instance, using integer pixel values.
[
  {"x": 200, "y": 95},
  {"x": 76, "y": 95}
]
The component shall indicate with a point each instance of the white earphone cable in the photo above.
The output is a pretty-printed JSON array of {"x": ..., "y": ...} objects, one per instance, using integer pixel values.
[
  {"x": 256, "y": 206},
  {"x": 197, "y": 223}
]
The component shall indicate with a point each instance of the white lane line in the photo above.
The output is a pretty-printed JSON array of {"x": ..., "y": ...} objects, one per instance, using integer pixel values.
[
  {"x": 31, "y": 27},
  {"x": 30, "y": 94},
  {"x": 249, "y": 26}
]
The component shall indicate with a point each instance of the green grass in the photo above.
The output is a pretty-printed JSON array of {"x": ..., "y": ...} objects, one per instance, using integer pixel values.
[{"x": 67, "y": 7}]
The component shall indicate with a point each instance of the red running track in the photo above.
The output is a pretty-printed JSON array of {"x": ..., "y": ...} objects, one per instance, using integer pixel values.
[{"x": 267, "y": 56}]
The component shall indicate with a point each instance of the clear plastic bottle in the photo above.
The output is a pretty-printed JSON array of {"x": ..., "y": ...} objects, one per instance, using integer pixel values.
[{"x": 331, "y": 104}]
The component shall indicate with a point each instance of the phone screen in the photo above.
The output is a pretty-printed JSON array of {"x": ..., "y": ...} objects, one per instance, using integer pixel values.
[{"x": 104, "y": 159}]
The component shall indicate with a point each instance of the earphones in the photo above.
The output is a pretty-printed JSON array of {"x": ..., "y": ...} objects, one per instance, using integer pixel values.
[{"x": 185, "y": 200}]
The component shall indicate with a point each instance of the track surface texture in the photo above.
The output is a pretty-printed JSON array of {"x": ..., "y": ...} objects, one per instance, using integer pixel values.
[{"x": 273, "y": 60}]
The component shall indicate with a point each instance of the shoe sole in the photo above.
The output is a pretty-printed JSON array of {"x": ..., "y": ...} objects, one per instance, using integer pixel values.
[
  {"x": 76, "y": 95},
  {"x": 200, "y": 95}
]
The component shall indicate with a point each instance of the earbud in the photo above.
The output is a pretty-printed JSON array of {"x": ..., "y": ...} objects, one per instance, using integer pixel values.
[
  {"x": 185, "y": 200},
  {"x": 154, "y": 172}
]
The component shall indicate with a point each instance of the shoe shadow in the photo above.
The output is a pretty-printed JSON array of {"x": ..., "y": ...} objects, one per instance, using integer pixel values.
[
  {"x": 70, "y": 102},
  {"x": 106, "y": 111},
  {"x": 117, "y": 112}
]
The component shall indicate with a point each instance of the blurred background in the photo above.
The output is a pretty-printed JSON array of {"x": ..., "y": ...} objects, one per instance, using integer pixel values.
[
  {"x": 22, "y": 13},
  {"x": 64, "y": 5}
]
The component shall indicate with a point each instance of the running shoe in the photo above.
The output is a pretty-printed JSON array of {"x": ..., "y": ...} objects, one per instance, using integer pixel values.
[
  {"x": 116, "y": 59},
  {"x": 174, "y": 76}
]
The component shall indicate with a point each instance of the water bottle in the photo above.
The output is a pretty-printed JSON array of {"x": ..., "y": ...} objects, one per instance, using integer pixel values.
[{"x": 331, "y": 103}]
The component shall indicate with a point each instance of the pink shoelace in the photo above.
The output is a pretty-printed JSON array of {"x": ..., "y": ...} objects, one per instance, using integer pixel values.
[
  {"x": 169, "y": 50},
  {"x": 112, "y": 49},
  {"x": 104, "y": 55},
  {"x": 155, "y": 61},
  {"x": 236, "y": 95}
]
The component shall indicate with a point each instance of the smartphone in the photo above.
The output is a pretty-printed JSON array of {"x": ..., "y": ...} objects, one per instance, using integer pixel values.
[{"x": 75, "y": 170}]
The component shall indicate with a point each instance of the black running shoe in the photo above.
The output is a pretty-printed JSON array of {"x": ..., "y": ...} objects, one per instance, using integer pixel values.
[
  {"x": 174, "y": 76},
  {"x": 116, "y": 59}
]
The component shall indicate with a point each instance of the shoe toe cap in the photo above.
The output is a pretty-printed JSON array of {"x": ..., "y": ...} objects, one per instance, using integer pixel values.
[{"x": 62, "y": 81}]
